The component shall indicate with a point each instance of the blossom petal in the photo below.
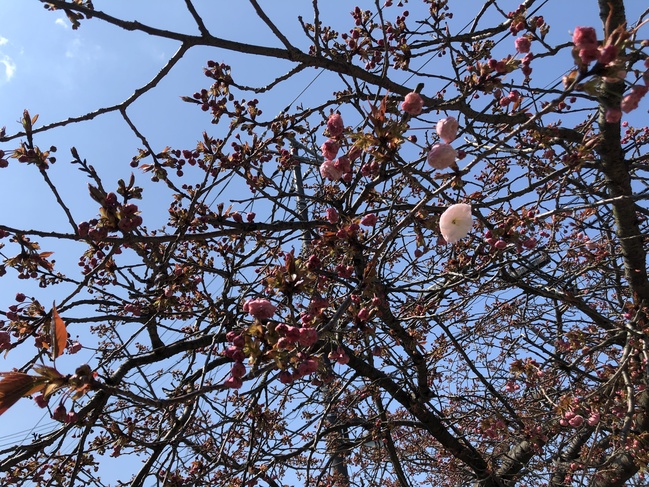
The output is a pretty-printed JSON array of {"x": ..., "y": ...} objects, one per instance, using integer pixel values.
[{"x": 456, "y": 222}]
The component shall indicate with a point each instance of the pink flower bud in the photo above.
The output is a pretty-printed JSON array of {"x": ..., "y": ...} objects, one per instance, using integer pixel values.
[
  {"x": 630, "y": 102},
  {"x": 339, "y": 356},
  {"x": 441, "y": 156},
  {"x": 329, "y": 171},
  {"x": 530, "y": 243},
  {"x": 233, "y": 383},
  {"x": 593, "y": 419},
  {"x": 523, "y": 45},
  {"x": 576, "y": 421},
  {"x": 607, "y": 54},
  {"x": 335, "y": 125},
  {"x": 285, "y": 377},
  {"x": 412, "y": 104},
  {"x": 369, "y": 220},
  {"x": 71, "y": 418},
  {"x": 234, "y": 353},
  {"x": 238, "y": 370},
  {"x": 332, "y": 215},
  {"x": 309, "y": 366},
  {"x": 329, "y": 149},
  {"x": 259, "y": 308},
  {"x": 447, "y": 129},
  {"x": 313, "y": 263},
  {"x": 585, "y": 38},
  {"x": 308, "y": 337},
  {"x": 587, "y": 56},
  {"x": 343, "y": 164},
  {"x": 59, "y": 413},
  {"x": 364, "y": 314},
  {"x": 40, "y": 400}
]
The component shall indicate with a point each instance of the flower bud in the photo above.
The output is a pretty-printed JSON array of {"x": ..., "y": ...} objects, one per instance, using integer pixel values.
[
  {"x": 447, "y": 129},
  {"x": 412, "y": 104},
  {"x": 441, "y": 156}
]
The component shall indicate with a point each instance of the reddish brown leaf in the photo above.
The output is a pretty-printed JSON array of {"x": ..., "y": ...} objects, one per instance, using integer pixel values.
[
  {"x": 15, "y": 385},
  {"x": 59, "y": 334}
]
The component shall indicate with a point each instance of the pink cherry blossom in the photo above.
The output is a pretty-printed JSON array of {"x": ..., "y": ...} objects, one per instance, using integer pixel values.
[
  {"x": 238, "y": 370},
  {"x": 412, "y": 104},
  {"x": 332, "y": 215},
  {"x": 584, "y": 38},
  {"x": 607, "y": 54},
  {"x": 576, "y": 421},
  {"x": 233, "y": 382},
  {"x": 441, "y": 156},
  {"x": 308, "y": 337},
  {"x": 447, "y": 129},
  {"x": 630, "y": 102},
  {"x": 309, "y": 366},
  {"x": 456, "y": 222},
  {"x": 364, "y": 314},
  {"x": 369, "y": 220},
  {"x": 339, "y": 356},
  {"x": 335, "y": 125},
  {"x": 285, "y": 377},
  {"x": 329, "y": 149},
  {"x": 523, "y": 45},
  {"x": 343, "y": 164},
  {"x": 329, "y": 171},
  {"x": 259, "y": 308},
  {"x": 234, "y": 353},
  {"x": 585, "y": 41},
  {"x": 587, "y": 56},
  {"x": 292, "y": 333},
  {"x": 593, "y": 419}
]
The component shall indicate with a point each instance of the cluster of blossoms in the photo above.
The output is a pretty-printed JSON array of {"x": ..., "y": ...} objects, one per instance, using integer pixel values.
[
  {"x": 587, "y": 47},
  {"x": 62, "y": 415},
  {"x": 456, "y": 222},
  {"x": 523, "y": 45},
  {"x": 610, "y": 65},
  {"x": 335, "y": 169},
  {"x": 261, "y": 309},
  {"x": 285, "y": 338},
  {"x": 114, "y": 215},
  {"x": 576, "y": 420},
  {"x": 442, "y": 156},
  {"x": 236, "y": 353},
  {"x": 631, "y": 101}
]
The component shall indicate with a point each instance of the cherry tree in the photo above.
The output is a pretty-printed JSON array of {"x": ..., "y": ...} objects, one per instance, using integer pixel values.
[{"x": 433, "y": 275}]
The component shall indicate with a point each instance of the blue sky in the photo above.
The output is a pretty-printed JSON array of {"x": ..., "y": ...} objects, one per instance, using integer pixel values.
[{"x": 57, "y": 72}]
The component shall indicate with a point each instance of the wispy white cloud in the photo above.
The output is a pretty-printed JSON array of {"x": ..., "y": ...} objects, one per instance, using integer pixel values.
[
  {"x": 10, "y": 66},
  {"x": 7, "y": 62},
  {"x": 61, "y": 22}
]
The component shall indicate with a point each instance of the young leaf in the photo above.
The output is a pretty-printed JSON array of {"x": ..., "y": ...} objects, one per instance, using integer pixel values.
[
  {"x": 15, "y": 385},
  {"x": 59, "y": 334}
]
